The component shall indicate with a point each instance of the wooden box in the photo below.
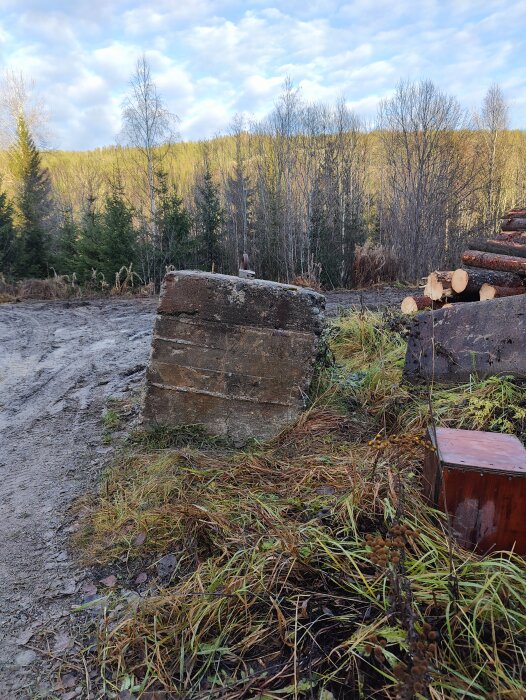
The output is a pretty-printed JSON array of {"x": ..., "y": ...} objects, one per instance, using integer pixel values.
[{"x": 484, "y": 487}]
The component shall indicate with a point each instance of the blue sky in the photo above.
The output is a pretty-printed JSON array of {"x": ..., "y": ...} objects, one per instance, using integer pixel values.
[{"x": 214, "y": 58}]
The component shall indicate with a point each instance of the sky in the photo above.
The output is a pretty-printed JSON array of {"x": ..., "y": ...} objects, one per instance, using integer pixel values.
[{"x": 212, "y": 59}]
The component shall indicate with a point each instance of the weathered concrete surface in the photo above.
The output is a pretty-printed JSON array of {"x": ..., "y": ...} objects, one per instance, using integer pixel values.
[
  {"x": 234, "y": 355},
  {"x": 483, "y": 338},
  {"x": 240, "y": 301}
]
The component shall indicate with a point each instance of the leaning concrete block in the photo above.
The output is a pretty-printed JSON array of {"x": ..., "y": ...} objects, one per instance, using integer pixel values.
[
  {"x": 482, "y": 338},
  {"x": 234, "y": 355}
]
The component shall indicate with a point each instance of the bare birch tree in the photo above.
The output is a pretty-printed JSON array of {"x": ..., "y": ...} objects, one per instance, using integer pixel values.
[
  {"x": 149, "y": 127},
  {"x": 426, "y": 178},
  {"x": 19, "y": 97},
  {"x": 493, "y": 123}
]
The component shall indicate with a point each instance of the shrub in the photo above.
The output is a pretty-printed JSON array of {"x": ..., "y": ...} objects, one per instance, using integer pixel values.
[
  {"x": 52, "y": 288},
  {"x": 373, "y": 264}
]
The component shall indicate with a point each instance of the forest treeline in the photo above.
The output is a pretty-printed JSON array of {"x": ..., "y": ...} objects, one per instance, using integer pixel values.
[{"x": 307, "y": 192}]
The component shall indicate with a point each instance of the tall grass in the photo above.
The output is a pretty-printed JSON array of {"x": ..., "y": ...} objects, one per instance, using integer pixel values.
[
  {"x": 373, "y": 263},
  {"x": 127, "y": 282},
  {"x": 310, "y": 567}
]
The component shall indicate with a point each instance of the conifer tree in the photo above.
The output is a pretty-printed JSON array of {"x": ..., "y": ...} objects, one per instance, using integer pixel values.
[
  {"x": 174, "y": 245},
  {"x": 108, "y": 238},
  {"x": 67, "y": 245},
  {"x": 209, "y": 218},
  {"x": 91, "y": 243},
  {"x": 32, "y": 203},
  {"x": 8, "y": 243},
  {"x": 119, "y": 240}
]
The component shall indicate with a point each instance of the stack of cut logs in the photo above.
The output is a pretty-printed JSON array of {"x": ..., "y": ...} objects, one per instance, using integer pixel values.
[{"x": 491, "y": 269}]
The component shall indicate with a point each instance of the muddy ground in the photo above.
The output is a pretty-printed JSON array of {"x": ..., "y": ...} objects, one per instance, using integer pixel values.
[{"x": 61, "y": 364}]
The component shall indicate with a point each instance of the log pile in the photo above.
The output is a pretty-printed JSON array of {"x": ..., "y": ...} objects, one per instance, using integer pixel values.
[{"x": 491, "y": 269}]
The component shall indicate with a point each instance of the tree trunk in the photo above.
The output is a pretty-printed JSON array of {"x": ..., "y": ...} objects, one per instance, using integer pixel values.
[
  {"x": 438, "y": 285},
  {"x": 501, "y": 247},
  {"x": 493, "y": 261},
  {"x": 453, "y": 344},
  {"x": 491, "y": 291},
  {"x": 418, "y": 302},
  {"x": 470, "y": 280},
  {"x": 515, "y": 223}
]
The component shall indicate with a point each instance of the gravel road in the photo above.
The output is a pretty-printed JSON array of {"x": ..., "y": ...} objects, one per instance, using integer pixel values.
[{"x": 60, "y": 363}]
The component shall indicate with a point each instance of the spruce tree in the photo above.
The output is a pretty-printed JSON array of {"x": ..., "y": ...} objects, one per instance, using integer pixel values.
[
  {"x": 209, "y": 218},
  {"x": 66, "y": 253},
  {"x": 91, "y": 243},
  {"x": 32, "y": 203},
  {"x": 9, "y": 249},
  {"x": 119, "y": 245},
  {"x": 174, "y": 224}
]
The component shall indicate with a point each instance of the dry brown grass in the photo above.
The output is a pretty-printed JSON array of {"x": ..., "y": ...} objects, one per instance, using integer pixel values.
[
  {"x": 373, "y": 264},
  {"x": 56, "y": 287},
  {"x": 7, "y": 291},
  {"x": 309, "y": 282},
  {"x": 278, "y": 590},
  {"x": 52, "y": 288},
  {"x": 127, "y": 281}
]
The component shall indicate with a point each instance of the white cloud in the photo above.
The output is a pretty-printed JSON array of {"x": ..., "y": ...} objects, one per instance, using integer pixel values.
[
  {"x": 206, "y": 118},
  {"x": 116, "y": 60},
  {"x": 145, "y": 18},
  {"x": 213, "y": 58}
]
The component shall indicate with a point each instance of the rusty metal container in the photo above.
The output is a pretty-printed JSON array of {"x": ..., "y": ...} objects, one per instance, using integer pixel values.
[{"x": 484, "y": 487}]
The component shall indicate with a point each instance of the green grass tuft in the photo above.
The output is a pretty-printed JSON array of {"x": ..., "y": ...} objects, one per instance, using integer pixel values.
[
  {"x": 161, "y": 437},
  {"x": 111, "y": 419}
]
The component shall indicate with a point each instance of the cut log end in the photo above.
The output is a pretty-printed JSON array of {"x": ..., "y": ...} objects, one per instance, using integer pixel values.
[
  {"x": 408, "y": 305},
  {"x": 492, "y": 291},
  {"x": 433, "y": 289},
  {"x": 469, "y": 281},
  {"x": 487, "y": 291},
  {"x": 412, "y": 304},
  {"x": 459, "y": 280},
  {"x": 438, "y": 285}
]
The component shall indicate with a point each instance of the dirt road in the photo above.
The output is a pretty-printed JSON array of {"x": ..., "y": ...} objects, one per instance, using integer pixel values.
[{"x": 60, "y": 362}]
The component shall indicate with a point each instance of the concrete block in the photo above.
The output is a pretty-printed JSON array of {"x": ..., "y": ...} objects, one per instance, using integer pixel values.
[
  {"x": 482, "y": 338},
  {"x": 235, "y": 355}
]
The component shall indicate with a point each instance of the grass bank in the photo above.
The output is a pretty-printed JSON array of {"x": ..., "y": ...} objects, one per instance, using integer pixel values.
[{"x": 309, "y": 567}]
